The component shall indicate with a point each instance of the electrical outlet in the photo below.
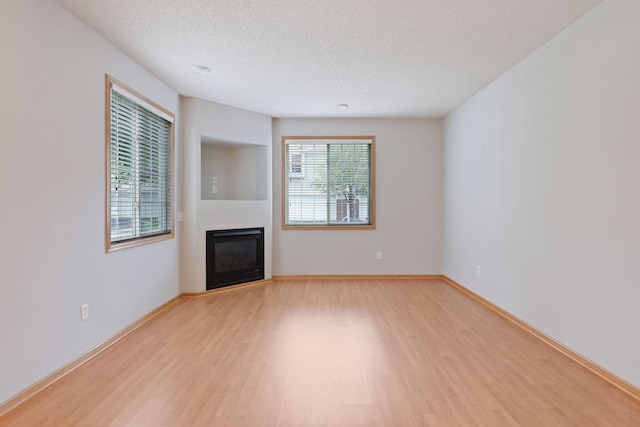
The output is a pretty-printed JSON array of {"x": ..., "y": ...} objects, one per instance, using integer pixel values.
[
  {"x": 84, "y": 311},
  {"x": 478, "y": 270},
  {"x": 180, "y": 217},
  {"x": 379, "y": 255},
  {"x": 215, "y": 189}
]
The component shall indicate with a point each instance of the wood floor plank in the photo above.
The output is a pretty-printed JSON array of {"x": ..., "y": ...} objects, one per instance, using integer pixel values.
[{"x": 329, "y": 352}]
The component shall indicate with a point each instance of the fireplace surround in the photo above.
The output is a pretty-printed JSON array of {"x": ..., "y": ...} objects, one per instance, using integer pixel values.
[{"x": 234, "y": 256}]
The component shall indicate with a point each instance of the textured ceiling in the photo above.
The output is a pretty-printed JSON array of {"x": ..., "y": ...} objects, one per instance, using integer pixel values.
[{"x": 287, "y": 58}]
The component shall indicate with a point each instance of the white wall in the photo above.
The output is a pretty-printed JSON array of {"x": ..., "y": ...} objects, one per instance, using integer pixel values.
[
  {"x": 213, "y": 163},
  {"x": 52, "y": 250},
  {"x": 217, "y": 122},
  {"x": 541, "y": 189},
  {"x": 408, "y": 206}
]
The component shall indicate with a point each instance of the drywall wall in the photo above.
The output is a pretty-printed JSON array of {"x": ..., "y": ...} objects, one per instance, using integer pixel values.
[
  {"x": 541, "y": 189},
  {"x": 408, "y": 203},
  {"x": 213, "y": 164},
  {"x": 52, "y": 187},
  {"x": 247, "y": 170},
  {"x": 208, "y": 121}
]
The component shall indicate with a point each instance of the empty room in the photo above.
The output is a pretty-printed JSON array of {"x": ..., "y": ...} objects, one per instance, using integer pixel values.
[{"x": 299, "y": 213}]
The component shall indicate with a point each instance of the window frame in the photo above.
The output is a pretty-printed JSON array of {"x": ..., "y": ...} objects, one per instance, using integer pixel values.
[
  {"x": 146, "y": 103},
  {"x": 330, "y": 226}
]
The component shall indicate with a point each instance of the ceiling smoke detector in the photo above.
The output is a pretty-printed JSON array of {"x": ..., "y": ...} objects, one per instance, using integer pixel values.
[
  {"x": 199, "y": 69},
  {"x": 342, "y": 106}
]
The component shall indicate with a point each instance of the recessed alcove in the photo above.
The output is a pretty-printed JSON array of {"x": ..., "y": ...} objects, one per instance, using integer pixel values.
[{"x": 233, "y": 171}]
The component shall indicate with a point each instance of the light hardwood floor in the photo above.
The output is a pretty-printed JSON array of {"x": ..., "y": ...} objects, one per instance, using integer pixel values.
[{"x": 330, "y": 353}]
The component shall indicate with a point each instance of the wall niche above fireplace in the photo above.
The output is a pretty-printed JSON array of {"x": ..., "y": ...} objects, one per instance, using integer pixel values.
[
  {"x": 233, "y": 171},
  {"x": 234, "y": 256}
]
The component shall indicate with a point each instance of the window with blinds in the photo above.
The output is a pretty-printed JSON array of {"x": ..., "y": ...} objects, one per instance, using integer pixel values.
[
  {"x": 139, "y": 169},
  {"x": 329, "y": 182}
]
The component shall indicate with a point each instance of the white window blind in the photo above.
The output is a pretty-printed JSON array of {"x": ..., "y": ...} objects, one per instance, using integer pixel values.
[
  {"x": 328, "y": 181},
  {"x": 140, "y": 169}
]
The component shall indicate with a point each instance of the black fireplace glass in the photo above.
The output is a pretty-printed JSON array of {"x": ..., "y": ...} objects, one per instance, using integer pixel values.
[{"x": 234, "y": 256}]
